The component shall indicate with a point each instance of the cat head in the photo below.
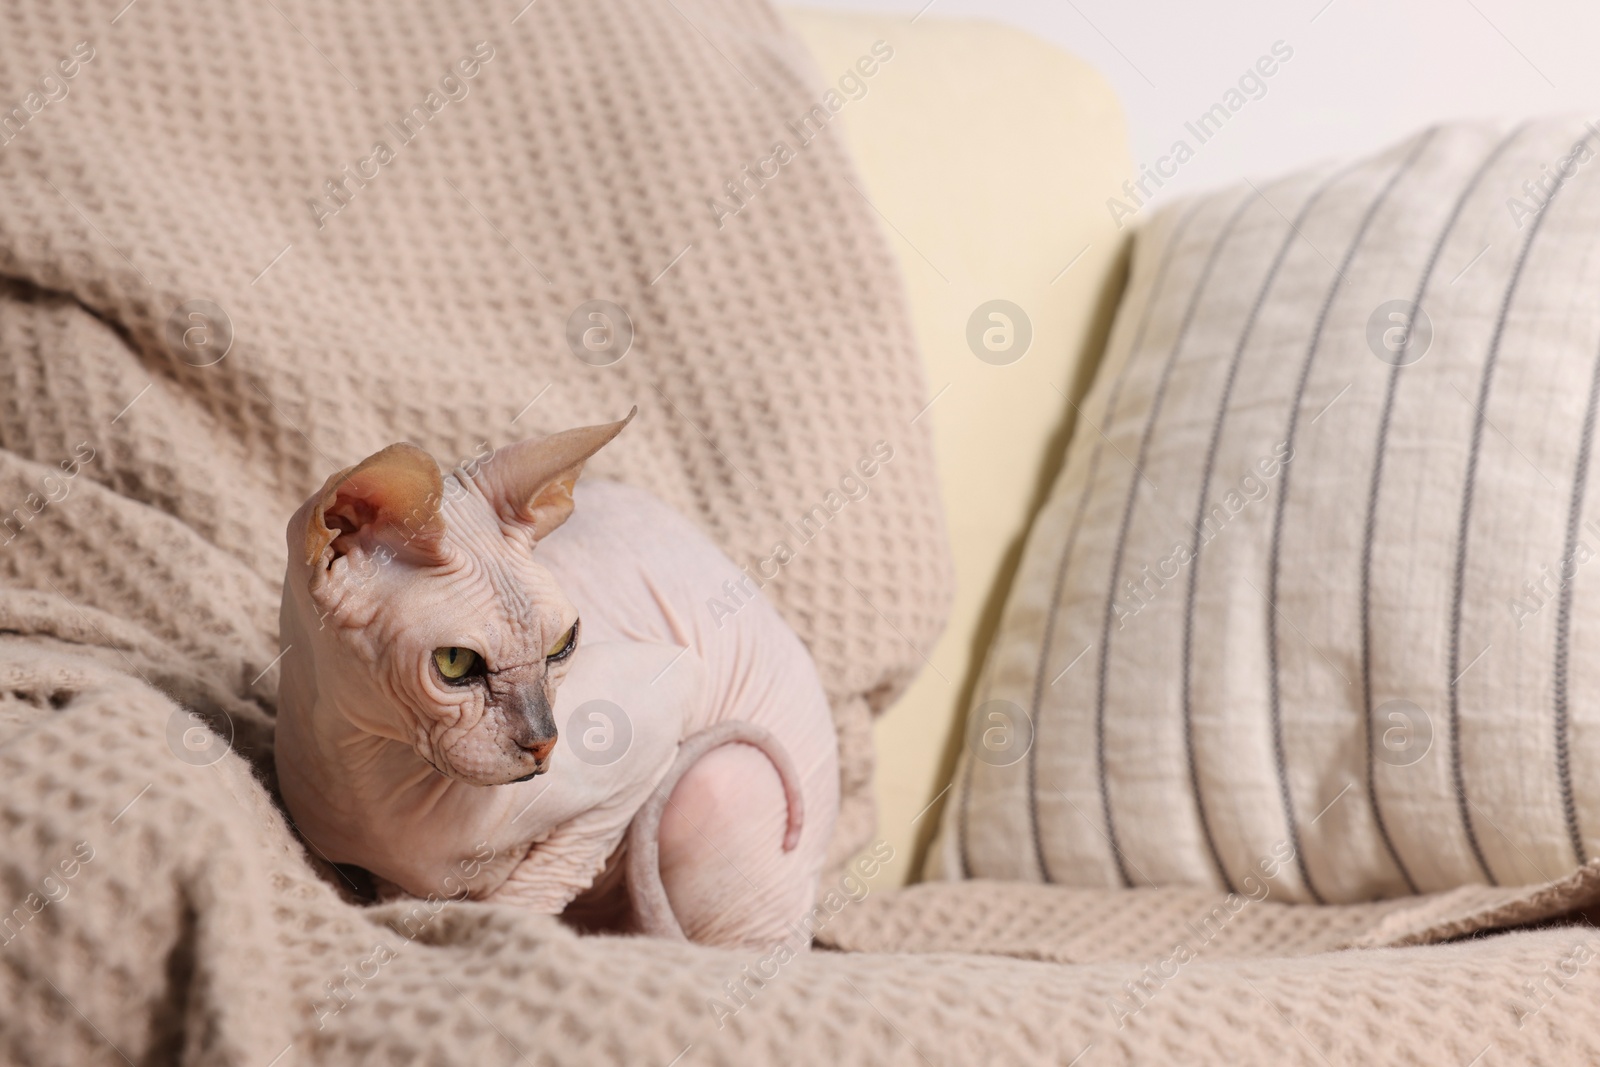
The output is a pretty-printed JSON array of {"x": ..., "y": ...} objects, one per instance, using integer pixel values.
[{"x": 428, "y": 618}]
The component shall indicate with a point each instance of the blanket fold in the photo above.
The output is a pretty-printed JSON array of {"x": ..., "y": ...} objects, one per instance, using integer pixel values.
[{"x": 1062, "y": 924}]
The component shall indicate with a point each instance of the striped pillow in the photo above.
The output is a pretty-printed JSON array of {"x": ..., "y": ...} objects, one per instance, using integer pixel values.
[{"x": 1309, "y": 604}]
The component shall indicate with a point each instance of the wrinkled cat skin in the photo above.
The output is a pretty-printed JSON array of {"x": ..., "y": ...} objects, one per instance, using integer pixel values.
[{"x": 728, "y": 766}]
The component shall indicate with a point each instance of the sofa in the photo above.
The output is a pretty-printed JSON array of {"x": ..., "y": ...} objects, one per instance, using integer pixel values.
[
  {"x": 1103, "y": 800},
  {"x": 1032, "y": 231}
]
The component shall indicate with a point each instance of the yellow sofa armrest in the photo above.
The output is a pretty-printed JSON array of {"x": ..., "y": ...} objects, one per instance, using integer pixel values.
[{"x": 989, "y": 156}]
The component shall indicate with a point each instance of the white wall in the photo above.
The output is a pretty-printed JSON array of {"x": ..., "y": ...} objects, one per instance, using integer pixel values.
[{"x": 1363, "y": 73}]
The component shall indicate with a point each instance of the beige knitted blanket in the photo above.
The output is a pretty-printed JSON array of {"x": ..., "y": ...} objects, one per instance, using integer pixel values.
[{"x": 244, "y": 244}]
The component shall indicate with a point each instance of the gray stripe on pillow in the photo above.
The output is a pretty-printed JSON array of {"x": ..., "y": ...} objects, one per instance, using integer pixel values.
[
  {"x": 1122, "y": 534},
  {"x": 1036, "y": 712},
  {"x": 1206, "y": 473},
  {"x": 1580, "y": 478},
  {"x": 1276, "y": 552},
  {"x": 1463, "y": 531},
  {"x": 1369, "y": 536}
]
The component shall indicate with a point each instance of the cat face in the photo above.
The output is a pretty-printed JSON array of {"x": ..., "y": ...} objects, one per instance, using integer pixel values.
[{"x": 433, "y": 623}]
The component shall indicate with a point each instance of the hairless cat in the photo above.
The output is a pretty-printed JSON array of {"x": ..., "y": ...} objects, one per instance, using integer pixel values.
[{"x": 438, "y": 627}]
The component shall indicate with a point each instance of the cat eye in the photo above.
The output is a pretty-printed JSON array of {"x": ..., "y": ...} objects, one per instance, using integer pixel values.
[
  {"x": 456, "y": 664},
  {"x": 564, "y": 646}
]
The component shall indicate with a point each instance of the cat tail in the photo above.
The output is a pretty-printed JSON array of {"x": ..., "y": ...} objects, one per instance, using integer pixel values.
[{"x": 650, "y": 905}]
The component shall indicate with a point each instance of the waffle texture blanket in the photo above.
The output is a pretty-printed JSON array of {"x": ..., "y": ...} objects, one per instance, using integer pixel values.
[{"x": 245, "y": 244}]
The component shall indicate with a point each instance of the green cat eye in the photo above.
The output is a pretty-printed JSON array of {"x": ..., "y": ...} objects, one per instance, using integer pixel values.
[
  {"x": 564, "y": 644},
  {"x": 455, "y": 663}
]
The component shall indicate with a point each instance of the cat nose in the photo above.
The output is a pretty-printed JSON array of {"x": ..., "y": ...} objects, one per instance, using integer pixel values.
[
  {"x": 541, "y": 750},
  {"x": 529, "y": 719}
]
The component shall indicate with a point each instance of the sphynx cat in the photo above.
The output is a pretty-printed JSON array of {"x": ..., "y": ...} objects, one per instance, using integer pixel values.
[{"x": 438, "y": 627}]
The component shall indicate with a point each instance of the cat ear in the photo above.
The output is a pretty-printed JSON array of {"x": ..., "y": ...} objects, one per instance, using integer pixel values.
[
  {"x": 390, "y": 499},
  {"x": 531, "y": 482}
]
